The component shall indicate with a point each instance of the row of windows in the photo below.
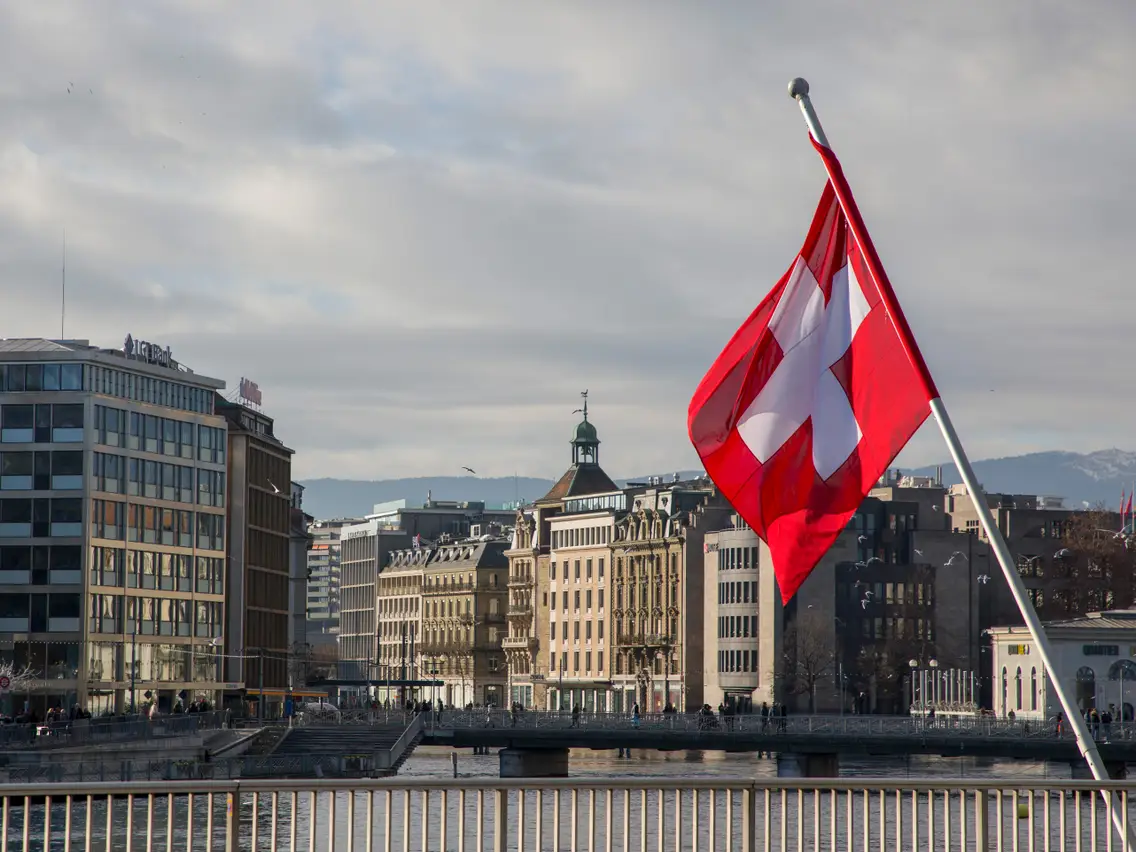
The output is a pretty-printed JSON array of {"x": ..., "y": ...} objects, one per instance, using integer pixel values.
[
  {"x": 733, "y": 558},
  {"x": 576, "y": 630},
  {"x": 901, "y": 594},
  {"x": 735, "y": 593},
  {"x": 587, "y": 598},
  {"x": 737, "y": 626},
  {"x": 41, "y": 424},
  {"x": 587, "y": 669},
  {"x": 46, "y": 470},
  {"x": 41, "y": 564},
  {"x": 150, "y": 661},
  {"x": 649, "y": 596},
  {"x": 117, "y": 521},
  {"x": 40, "y": 517},
  {"x": 17, "y": 378},
  {"x": 143, "y": 569},
  {"x": 144, "y": 616},
  {"x": 576, "y": 569},
  {"x": 124, "y": 385},
  {"x": 117, "y": 474},
  {"x": 737, "y": 661},
  {"x": 159, "y": 435},
  {"x": 897, "y": 628},
  {"x": 39, "y": 612},
  {"x": 582, "y": 537}
]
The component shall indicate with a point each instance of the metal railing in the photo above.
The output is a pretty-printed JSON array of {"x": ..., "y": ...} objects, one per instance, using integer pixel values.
[
  {"x": 76, "y": 732},
  {"x": 986, "y": 727},
  {"x": 387, "y": 760},
  {"x": 656, "y": 814}
]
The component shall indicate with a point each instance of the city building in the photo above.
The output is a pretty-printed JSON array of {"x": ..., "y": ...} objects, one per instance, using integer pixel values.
[
  {"x": 299, "y": 544},
  {"x": 520, "y": 643},
  {"x": 1095, "y": 660},
  {"x": 324, "y": 576},
  {"x": 260, "y": 657},
  {"x": 112, "y": 525},
  {"x": 399, "y": 609},
  {"x": 366, "y": 548},
  {"x": 464, "y": 598}
]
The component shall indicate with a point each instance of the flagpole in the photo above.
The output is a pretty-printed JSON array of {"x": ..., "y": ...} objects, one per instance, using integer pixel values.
[{"x": 799, "y": 91}]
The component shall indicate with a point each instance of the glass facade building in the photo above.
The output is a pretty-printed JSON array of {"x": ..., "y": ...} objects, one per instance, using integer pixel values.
[{"x": 112, "y": 527}]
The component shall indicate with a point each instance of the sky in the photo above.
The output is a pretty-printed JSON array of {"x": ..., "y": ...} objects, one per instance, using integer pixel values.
[{"x": 423, "y": 228}]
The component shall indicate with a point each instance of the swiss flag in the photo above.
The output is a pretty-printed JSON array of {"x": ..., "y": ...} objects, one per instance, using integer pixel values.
[{"x": 815, "y": 394}]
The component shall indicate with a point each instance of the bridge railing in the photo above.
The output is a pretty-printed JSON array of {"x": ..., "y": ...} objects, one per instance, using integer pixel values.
[
  {"x": 848, "y": 725},
  {"x": 857, "y": 815},
  {"x": 77, "y": 732}
]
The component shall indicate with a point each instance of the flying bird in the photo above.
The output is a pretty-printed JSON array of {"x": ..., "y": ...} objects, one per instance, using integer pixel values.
[
  {"x": 984, "y": 578},
  {"x": 1063, "y": 553},
  {"x": 470, "y": 469},
  {"x": 862, "y": 539},
  {"x": 918, "y": 552},
  {"x": 275, "y": 490}
]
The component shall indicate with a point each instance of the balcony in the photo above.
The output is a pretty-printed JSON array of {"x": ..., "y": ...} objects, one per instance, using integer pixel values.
[
  {"x": 645, "y": 640},
  {"x": 520, "y": 581},
  {"x": 519, "y": 611},
  {"x": 519, "y": 643}
]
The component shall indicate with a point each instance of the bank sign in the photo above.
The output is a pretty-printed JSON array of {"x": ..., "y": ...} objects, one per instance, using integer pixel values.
[
  {"x": 151, "y": 353},
  {"x": 250, "y": 392}
]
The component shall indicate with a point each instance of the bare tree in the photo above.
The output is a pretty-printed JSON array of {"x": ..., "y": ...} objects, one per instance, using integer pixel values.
[
  {"x": 808, "y": 657},
  {"x": 1095, "y": 568},
  {"x": 19, "y": 679}
]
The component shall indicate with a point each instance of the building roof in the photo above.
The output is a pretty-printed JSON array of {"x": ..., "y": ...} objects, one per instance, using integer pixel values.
[
  {"x": 578, "y": 481},
  {"x": 38, "y": 344},
  {"x": 1113, "y": 619}
]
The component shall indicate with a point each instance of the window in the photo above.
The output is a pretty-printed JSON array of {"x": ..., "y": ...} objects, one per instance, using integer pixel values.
[
  {"x": 16, "y": 422},
  {"x": 67, "y": 423}
]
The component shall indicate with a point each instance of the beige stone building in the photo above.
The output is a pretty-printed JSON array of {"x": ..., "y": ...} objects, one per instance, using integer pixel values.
[
  {"x": 520, "y": 643},
  {"x": 464, "y": 601},
  {"x": 398, "y": 607},
  {"x": 657, "y": 597}
]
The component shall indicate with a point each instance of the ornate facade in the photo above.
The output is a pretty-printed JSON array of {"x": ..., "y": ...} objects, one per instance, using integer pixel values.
[{"x": 520, "y": 645}]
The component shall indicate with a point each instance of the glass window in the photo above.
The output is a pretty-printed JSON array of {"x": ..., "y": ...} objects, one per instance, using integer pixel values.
[
  {"x": 15, "y": 511},
  {"x": 16, "y": 374},
  {"x": 51, "y": 377},
  {"x": 34, "y": 377},
  {"x": 71, "y": 377},
  {"x": 66, "y": 510},
  {"x": 67, "y": 416},
  {"x": 16, "y": 464},
  {"x": 70, "y": 463},
  {"x": 17, "y": 417}
]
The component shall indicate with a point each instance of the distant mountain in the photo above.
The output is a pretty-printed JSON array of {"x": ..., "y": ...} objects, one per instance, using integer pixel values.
[
  {"x": 353, "y": 498},
  {"x": 1091, "y": 478},
  {"x": 1078, "y": 477}
]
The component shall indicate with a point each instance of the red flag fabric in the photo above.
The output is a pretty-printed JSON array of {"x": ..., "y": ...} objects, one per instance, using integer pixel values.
[{"x": 814, "y": 395}]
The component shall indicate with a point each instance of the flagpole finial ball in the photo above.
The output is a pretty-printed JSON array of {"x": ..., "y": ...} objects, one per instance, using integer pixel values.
[{"x": 798, "y": 87}]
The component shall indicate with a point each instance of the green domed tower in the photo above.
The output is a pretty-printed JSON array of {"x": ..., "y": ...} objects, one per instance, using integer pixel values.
[{"x": 585, "y": 441}]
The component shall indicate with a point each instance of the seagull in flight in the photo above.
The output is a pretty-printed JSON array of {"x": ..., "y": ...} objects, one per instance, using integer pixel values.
[
  {"x": 470, "y": 469},
  {"x": 275, "y": 490},
  {"x": 1063, "y": 553},
  {"x": 862, "y": 539},
  {"x": 951, "y": 561},
  {"x": 984, "y": 578}
]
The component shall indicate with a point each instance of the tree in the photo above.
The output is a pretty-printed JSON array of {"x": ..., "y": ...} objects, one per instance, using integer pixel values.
[
  {"x": 1095, "y": 569},
  {"x": 19, "y": 679},
  {"x": 808, "y": 657}
]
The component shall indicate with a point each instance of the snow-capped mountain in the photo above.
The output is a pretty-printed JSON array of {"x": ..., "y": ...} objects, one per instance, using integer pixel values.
[{"x": 1092, "y": 478}]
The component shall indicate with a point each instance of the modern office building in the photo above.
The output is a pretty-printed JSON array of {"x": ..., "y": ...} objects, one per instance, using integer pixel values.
[
  {"x": 324, "y": 575},
  {"x": 112, "y": 525},
  {"x": 258, "y": 632},
  {"x": 299, "y": 545}
]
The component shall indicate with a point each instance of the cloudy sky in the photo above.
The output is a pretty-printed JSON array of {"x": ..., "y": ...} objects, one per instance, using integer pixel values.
[{"x": 423, "y": 228}]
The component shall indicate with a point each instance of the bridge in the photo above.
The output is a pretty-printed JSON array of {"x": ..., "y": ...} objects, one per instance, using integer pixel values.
[{"x": 537, "y": 743}]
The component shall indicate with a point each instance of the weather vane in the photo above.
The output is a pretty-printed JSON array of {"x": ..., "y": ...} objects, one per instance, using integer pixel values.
[{"x": 583, "y": 410}]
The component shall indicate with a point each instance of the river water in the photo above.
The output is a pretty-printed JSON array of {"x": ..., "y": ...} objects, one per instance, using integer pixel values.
[{"x": 937, "y": 824}]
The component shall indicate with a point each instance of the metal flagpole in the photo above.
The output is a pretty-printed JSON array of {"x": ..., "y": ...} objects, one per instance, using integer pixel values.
[{"x": 799, "y": 91}]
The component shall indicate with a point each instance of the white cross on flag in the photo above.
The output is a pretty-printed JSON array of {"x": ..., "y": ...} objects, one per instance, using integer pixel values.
[{"x": 814, "y": 396}]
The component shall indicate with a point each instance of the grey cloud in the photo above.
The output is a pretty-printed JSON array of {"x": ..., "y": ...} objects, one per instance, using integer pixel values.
[{"x": 425, "y": 228}]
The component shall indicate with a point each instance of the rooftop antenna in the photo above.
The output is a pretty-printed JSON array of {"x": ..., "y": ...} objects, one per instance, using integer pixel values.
[{"x": 63, "y": 294}]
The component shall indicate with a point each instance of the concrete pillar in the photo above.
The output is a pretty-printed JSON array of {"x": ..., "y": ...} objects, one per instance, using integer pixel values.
[
  {"x": 808, "y": 765},
  {"x": 533, "y": 762}
]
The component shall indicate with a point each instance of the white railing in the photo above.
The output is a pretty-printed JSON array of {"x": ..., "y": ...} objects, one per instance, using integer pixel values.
[{"x": 707, "y": 815}]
